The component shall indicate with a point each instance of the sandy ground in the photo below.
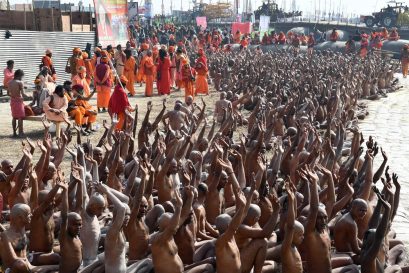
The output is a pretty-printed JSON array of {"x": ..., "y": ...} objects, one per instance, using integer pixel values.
[{"x": 11, "y": 147}]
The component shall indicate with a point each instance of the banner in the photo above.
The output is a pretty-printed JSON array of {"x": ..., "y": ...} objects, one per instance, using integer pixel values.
[
  {"x": 201, "y": 22},
  {"x": 112, "y": 21},
  {"x": 244, "y": 28},
  {"x": 264, "y": 23},
  {"x": 133, "y": 11},
  {"x": 148, "y": 9}
]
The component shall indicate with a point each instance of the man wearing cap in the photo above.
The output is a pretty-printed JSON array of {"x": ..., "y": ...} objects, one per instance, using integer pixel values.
[
  {"x": 103, "y": 83},
  {"x": 47, "y": 62},
  {"x": 202, "y": 86},
  {"x": 119, "y": 103},
  {"x": 74, "y": 60},
  {"x": 83, "y": 112},
  {"x": 81, "y": 79}
]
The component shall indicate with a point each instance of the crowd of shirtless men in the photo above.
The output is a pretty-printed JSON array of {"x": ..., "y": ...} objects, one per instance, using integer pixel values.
[{"x": 278, "y": 179}]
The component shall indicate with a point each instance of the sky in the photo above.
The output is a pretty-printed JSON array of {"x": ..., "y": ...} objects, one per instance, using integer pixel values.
[{"x": 347, "y": 7}]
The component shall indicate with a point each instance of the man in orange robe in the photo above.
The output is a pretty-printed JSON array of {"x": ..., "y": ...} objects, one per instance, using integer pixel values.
[
  {"x": 140, "y": 77},
  {"x": 88, "y": 66},
  {"x": 187, "y": 78},
  {"x": 48, "y": 62},
  {"x": 82, "y": 111},
  {"x": 130, "y": 70},
  {"x": 81, "y": 79},
  {"x": 202, "y": 87},
  {"x": 148, "y": 71},
  {"x": 103, "y": 83},
  {"x": 404, "y": 58}
]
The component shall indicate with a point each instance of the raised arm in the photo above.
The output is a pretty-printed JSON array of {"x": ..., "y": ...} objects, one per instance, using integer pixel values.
[
  {"x": 139, "y": 193},
  {"x": 119, "y": 207},
  {"x": 173, "y": 225},
  {"x": 314, "y": 201},
  {"x": 365, "y": 188},
  {"x": 380, "y": 234},
  {"x": 289, "y": 227}
]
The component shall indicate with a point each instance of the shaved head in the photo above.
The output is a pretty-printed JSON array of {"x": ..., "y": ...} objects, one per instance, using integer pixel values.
[{"x": 222, "y": 222}]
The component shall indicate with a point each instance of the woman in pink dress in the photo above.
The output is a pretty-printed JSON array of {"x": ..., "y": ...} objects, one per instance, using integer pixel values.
[{"x": 163, "y": 77}]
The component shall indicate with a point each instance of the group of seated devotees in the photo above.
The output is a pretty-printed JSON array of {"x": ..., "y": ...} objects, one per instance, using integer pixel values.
[{"x": 295, "y": 191}]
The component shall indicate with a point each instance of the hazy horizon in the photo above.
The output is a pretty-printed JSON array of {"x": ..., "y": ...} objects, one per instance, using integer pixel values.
[{"x": 345, "y": 7}]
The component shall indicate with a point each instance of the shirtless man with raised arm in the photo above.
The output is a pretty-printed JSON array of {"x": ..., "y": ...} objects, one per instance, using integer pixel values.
[
  {"x": 227, "y": 252},
  {"x": 293, "y": 237},
  {"x": 42, "y": 228},
  {"x": 90, "y": 209},
  {"x": 13, "y": 243},
  {"x": 220, "y": 106},
  {"x": 317, "y": 241},
  {"x": 70, "y": 243},
  {"x": 164, "y": 250},
  {"x": 137, "y": 232},
  {"x": 178, "y": 120},
  {"x": 346, "y": 229},
  {"x": 373, "y": 240},
  {"x": 115, "y": 239}
]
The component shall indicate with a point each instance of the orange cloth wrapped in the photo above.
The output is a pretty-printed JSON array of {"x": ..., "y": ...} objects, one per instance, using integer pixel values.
[{"x": 129, "y": 73}]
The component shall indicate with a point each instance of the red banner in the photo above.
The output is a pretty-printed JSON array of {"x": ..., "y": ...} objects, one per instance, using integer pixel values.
[
  {"x": 112, "y": 21},
  {"x": 245, "y": 28}
]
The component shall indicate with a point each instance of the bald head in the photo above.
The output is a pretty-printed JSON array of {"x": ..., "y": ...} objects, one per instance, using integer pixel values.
[
  {"x": 73, "y": 216},
  {"x": 254, "y": 213},
  {"x": 19, "y": 210},
  {"x": 222, "y": 222},
  {"x": 164, "y": 220}
]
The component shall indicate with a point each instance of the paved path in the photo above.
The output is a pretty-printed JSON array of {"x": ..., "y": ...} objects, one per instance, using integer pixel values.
[{"x": 388, "y": 123}]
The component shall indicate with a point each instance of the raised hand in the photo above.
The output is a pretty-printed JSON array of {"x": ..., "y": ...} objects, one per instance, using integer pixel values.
[
  {"x": 178, "y": 199},
  {"x": 46, "y": 123},
  {"x": 387, "y": 175},
  {"x": 115, "y": 120},
  {"x": 101, "y": 188},
  {"x": 149, "y": 105},
  {"x": 31, "y": 144},
  {"x": 41, "y": 146},
  {"x": 370, "y": 143},
  {"x": 395, "y": 180},
  {"x": 385, "y": 157}
]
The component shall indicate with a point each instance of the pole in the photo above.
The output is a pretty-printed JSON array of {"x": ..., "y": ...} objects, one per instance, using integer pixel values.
[
  {"x": 52, "y": 18},
  {"x": 70, "y": 19},
  {"x": 25, "y": 19},
  {"x": 82, "y": 18},
  {"x": 90, "y": 18},
  {"x": 34, "y": 16}
]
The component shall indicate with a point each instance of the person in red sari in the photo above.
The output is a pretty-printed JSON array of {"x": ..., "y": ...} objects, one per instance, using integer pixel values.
[
  {"x": 164, "y": 81},
  {"x": 202, "y": 87},
  {"x": 119, "y": 103}
]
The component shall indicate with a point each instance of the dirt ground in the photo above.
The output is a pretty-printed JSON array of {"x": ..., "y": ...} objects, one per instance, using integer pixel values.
[{"x": 11, "y": 147}]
